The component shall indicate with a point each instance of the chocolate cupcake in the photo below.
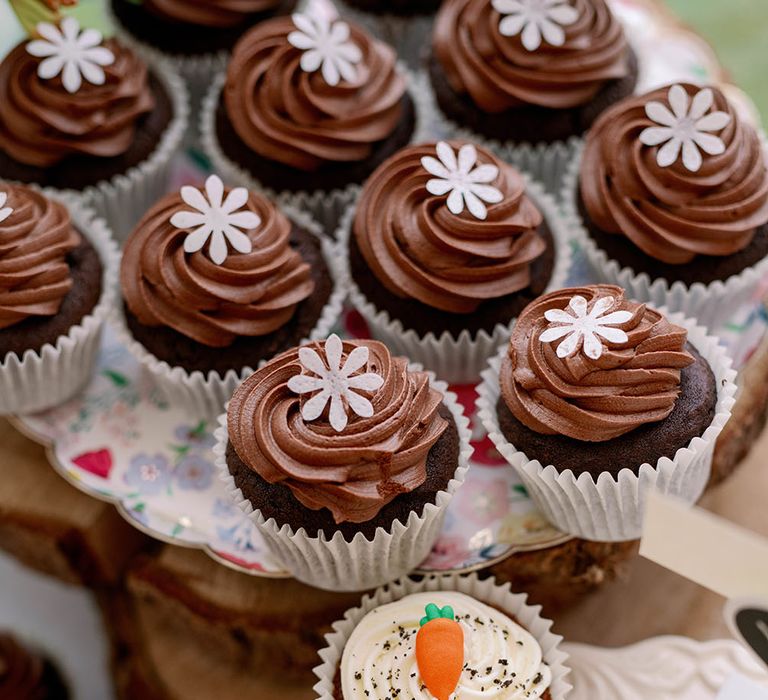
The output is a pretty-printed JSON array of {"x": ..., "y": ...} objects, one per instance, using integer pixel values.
[
  {"x": 86, "y": 114},
  {"x": 217, "y": 281},
  {"x": 346, "y": 459},
  {"x": 671, "y": 201},
  {"x": 526, "y": 76},
  {"x": 440, "y": 637},
  {"x": 597, "y": 398},
  {"x": 58, "y": 268},
  {"x": 308, "y": 107},
  {"x": 26, "y": 675},
  {"x": 446, "y": 245}
]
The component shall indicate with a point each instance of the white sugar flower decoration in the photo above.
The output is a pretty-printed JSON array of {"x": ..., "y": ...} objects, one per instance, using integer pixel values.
[
  {"x": 466, "y": 183},
  {"x": 685, "y": 127},
  {"x": 335, "y": 383},
  {"x": 536, "y": 19},
  {"x": 326, "y": 45},
  {"x": 5, "y": 212},
  {"x": 582, "y": 327},
  {"x": 216, "y": 218},
  {"x": 74, "y": 54}
]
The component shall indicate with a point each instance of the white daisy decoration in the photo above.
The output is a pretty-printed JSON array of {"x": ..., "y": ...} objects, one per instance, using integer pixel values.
[
  {"x": 465, "y": 182},
  {"x": 686, "y": 127},
  {"x": 73, "y": 53},
  {"x": 216, "y": 218},
  {"x": 581, "y": 327},
  {"x": 328, "y": 380},
  {"x": 325, "y": 44},
  {"x": 535, "y": 20},
  {"x": 5, "y": 212}
]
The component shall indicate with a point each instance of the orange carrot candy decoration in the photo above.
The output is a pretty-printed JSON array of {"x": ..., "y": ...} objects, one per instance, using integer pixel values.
[{"x": 440, "y": 651}]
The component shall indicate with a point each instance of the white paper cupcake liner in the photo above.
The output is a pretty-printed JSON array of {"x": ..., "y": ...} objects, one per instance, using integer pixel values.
[
  {"x": 711, "y": 305},
  {"x": 514, "y": 605},
  {"x": 410, "y": 35},
  {"x": 124, "y": 199},
  {"x": 39, "y": 380},
  {"x": 202, "y": 394},
  {"x": 336, "y": 564},
  {"x": 457, "y": 360},
  {"x": 327, "y": 206},
  {"x": 611, "y": 509}
]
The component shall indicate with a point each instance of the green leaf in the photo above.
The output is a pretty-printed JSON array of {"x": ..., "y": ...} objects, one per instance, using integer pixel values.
[
  {"x": 519, "y": 488},
  {"x": 119, "y": 380}
]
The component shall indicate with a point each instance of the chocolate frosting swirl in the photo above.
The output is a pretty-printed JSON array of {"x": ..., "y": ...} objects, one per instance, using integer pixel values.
[
  {"x": 354, "y": 473},
  {"x": 250, "y": 294},
  {"x": 673, "y": 214},
  {"x": 498, "y": 72},
  {"x": 296, "y": 118},
  {"x": 209, "y": 13},
  {"x": 41, "y": 123},
  {"x": 34, "y": 242},
  {"x": 418, "y": 249},
  {"x": 631, "y": 384},
  {"x": 21, "y": 673}
]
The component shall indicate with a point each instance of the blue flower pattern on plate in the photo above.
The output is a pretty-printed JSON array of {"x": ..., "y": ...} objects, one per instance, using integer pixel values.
[{"x": 148, "y": 474}]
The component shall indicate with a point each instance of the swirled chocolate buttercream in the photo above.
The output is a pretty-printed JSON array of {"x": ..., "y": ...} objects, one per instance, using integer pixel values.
[
  {"x": 36, "y": 234},
  {"x": 591, "y": 365},
  {"x": 345, "y": 426},
  {"x": 214, "y": 265},
  {"x": 678, "y": 173},
  {"x": 486, "y": 53},
  {"x": 449, "y": 225}
]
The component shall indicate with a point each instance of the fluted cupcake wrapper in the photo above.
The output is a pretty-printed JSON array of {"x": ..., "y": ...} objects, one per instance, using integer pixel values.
[
  {"x": 327, "y": 206},
  {"x": 40, "y": 380},
  {"x": 123, "y": 199},
  {"x": 340, "y": 565},
  {"x": 457, "y": 360},
  {"x": 611, "y": 508},
  {"x": 711, "y": 305},
  {"x": 202, "y": 394},
  {"x": 514, "y": 605}
]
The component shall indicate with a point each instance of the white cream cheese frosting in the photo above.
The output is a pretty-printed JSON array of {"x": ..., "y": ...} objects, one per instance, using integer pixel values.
[{"x": 502, "y": 660}]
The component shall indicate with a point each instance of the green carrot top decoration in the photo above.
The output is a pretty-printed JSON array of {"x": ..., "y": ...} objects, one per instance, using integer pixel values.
[
  {"x": 440, "y": 651},
  {"x": 434, "y": 613}
]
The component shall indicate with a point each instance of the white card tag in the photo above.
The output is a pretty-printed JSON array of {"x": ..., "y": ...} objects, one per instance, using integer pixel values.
[{"x": 705, "y": 548}]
